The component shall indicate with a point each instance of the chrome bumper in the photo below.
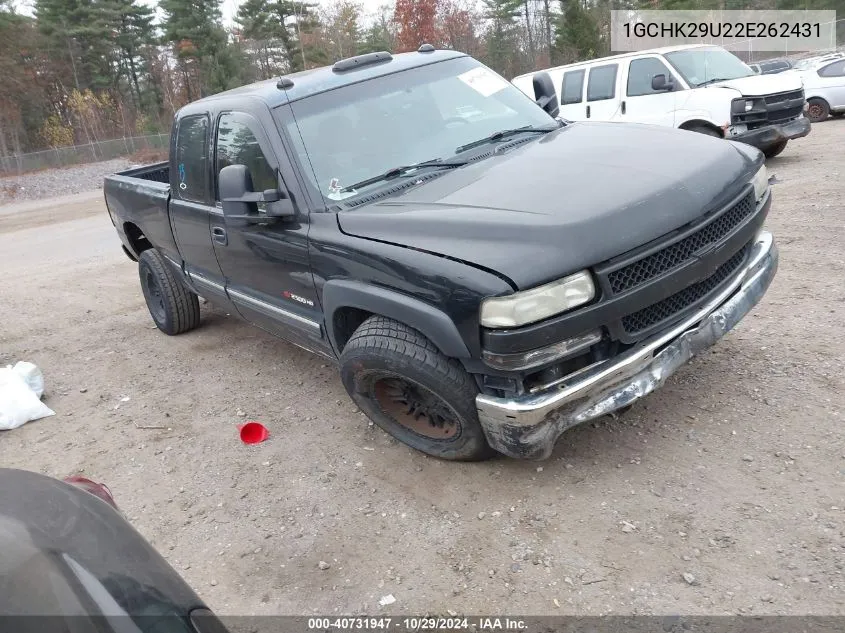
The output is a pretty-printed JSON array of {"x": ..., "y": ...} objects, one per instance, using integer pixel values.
[{"x": 529, "y": 426}]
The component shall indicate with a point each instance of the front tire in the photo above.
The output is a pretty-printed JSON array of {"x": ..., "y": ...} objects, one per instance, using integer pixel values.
[
  {"x": 817, "y": 110},
  {"x": 774, "y": 150},
  {"x": 402, "y": 382},
  {"x": 704, "y": 129},
  {"x": 173, "y": 307}
]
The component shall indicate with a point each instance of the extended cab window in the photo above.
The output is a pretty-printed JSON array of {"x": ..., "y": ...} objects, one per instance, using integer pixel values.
[
  {"x": 640, "y": 74},
  {"x": 237, "y": 145},
  {"x": 602, "y": 83},
  {"x": 836, "y": 69},
  {"x": 192, "y": 158},
  {"x": 572, "y": 88}
]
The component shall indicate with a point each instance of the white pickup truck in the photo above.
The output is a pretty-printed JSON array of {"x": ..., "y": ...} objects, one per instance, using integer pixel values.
[{"x": 701, "y": 88}]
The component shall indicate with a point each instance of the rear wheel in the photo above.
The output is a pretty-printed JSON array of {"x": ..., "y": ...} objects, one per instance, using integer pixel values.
[
  {"x": 817, "y": 110},
  {"x": 174, "y": 308},
  {"x": 773, "y": 150},
  {"x": 404, "y": 384}
]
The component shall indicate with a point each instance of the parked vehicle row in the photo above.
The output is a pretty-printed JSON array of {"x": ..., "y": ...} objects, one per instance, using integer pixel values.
[
  {"x": 416, "y": 218},
  {"x": 824, "y": 86},
  {"x": 700, "y": 88}
]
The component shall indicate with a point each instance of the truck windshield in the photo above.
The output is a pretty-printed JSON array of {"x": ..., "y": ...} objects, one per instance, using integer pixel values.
[
  {"x": 359, "y": 131},
  {"x": 700, "y": 66}
]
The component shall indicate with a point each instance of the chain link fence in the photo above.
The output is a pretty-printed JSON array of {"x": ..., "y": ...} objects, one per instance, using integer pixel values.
[{"x": 17, "y": 164}]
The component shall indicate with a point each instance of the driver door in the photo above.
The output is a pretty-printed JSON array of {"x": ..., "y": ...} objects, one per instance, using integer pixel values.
[{"x": 265, "y": 263}]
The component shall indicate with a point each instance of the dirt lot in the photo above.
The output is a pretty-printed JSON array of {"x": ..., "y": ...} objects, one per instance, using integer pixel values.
[{"x": 734, "y": 472}]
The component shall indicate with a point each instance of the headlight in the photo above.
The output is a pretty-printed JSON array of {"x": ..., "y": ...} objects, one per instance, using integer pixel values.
[
  {"x": 538, "y": 303},
  {"x": 738, "y": 106},
  {"x": 761, "y": 183}
]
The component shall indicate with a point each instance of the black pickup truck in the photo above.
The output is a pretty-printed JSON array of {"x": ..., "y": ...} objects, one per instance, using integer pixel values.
[{"x": 485, "y": 274}]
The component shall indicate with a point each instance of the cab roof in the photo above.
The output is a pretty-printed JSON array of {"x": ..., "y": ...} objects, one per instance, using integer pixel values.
[{"x": 278, "y": 91}]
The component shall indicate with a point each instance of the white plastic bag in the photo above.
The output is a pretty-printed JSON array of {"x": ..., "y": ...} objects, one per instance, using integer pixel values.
[
  {"x": 21, "y": 387},
  {"x": 32, "y": 375}
]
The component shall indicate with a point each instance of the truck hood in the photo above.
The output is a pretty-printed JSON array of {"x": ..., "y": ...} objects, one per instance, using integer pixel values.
[
  {"x": 759, "y": 85},
  {"x": 576, "y": 197}
]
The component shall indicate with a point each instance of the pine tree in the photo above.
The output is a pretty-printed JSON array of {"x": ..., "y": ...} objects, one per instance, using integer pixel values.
[
  {"x": 81, "y": 31},
  {"x": 135, "y": 32},
  {"x": 501, "y": 40},
  {"x": 280, "y": 24},
  {"x": 201, "y": 45},
  {"x": 578, "y": 35}
]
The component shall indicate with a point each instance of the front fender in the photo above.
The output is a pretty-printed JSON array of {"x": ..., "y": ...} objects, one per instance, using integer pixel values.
[{"x": 433, "y": 323}]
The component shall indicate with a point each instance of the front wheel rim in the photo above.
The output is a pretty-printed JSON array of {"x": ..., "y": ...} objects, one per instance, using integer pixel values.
[
  {"x": 815, "y": 111},
  {"x": 415, "y": 408}
]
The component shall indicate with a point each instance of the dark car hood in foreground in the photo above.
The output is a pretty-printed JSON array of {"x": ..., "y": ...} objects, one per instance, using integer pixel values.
[{"x": 576, "y": 197}]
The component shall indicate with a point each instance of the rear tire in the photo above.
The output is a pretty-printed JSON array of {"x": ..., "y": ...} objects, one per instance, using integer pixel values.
[
  {"x": 402, "y": 382},
  {"x": 773, "y": 150},
  {"x": 817, "y": 110},
  {"x": 173, "y": 307}
]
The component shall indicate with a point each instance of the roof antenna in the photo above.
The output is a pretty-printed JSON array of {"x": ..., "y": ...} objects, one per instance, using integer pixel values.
[
  {"x": 284, "y": 83},
  {"x": 425, "y": 48}
]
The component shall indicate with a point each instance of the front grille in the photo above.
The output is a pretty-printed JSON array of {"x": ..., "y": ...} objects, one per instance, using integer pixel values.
[
  {"x": 682, "y": 251},
  {"x": 776, "y": 109},
  {"x": 784, "y": 96},
  {"x": 678, "y": 302}
]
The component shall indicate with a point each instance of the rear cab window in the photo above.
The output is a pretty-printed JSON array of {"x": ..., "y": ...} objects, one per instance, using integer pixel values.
[
  {"x": 602, "y": 82},
  {"x": 192, "y": 158},
  {"x": 572, "y": 87}
]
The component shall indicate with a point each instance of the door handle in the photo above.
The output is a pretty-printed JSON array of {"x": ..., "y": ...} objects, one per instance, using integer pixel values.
[
  {"x": 623, "y": 107},
  {"x": 218, "y": 234},
  {"x": 588, "y": 112}
]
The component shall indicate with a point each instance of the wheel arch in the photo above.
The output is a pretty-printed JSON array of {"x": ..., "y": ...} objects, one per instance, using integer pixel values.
[
  {"x": 138, "y": 242},
  {"x": 348, "y": 303},
  {"x": 694, "y": 123}
]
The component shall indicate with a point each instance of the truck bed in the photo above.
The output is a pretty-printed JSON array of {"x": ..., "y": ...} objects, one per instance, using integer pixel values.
[
  {"x": 159, "y": 172},
  {"x": 137, "y": 200}
]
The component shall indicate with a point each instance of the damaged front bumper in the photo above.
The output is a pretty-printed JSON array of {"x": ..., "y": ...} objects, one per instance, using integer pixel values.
[{"x": 528, "y": 426}]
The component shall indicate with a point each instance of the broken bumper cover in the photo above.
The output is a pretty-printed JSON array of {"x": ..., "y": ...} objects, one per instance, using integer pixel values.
[
  {"x": 528, "y": 426},
  {"x": 765, "y": 137}
]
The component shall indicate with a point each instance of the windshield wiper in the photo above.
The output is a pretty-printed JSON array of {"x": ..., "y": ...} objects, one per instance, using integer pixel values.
[
  {"x": 403, "y": 170},
  {"x": 501, "y": 134},
  {"x": 712, "y": 81}
]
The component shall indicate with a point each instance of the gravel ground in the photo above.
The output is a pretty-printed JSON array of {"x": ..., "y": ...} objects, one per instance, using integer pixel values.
[
  {"x": 722, "y": 493},
  {"x": 51, "y": 182}
]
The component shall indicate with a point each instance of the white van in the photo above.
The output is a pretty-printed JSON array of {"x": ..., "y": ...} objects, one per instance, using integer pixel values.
[{"x": 701, "y": 88}]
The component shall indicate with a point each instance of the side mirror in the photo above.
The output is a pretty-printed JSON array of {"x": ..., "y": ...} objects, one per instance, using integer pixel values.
[
  {"x": 240, "y": 202},
  {"x": 544, "y": 94},
  {"x": 661, "y": 83}
]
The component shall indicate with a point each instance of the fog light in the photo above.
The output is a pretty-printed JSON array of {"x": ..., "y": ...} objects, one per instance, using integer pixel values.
[{"x": 534, "y": 358}]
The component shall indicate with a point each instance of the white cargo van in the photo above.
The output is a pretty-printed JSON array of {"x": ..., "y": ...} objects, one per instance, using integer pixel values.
[{"x": 701, "y": 88}]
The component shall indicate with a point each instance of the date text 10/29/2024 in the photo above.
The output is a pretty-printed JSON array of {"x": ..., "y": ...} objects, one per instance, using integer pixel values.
[{"x": 421, "y": 623}]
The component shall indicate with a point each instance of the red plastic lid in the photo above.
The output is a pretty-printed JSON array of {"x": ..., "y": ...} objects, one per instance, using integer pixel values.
[{"x": 253, "y": 432}]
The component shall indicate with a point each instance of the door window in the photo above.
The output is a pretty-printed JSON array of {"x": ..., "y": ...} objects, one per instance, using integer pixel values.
[
  {"x": 640, "y": 74},
  {"x": 602, "y": 83},
  {"x": 192, "y": 158},
  {"x": 237, "y": 144},
  {"x": 836, "y": 69},
  {"x": 572, "y": 87}
]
